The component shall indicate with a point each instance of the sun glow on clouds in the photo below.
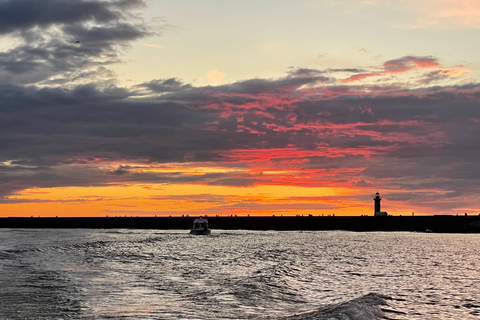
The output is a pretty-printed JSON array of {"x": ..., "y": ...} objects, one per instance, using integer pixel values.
[
  {"x": 411, "y": 65},
  {"x": 271, "y": 191},
  {"x": 285, "y": 148},
  {"x": 215, "y": 77},
  {"x": 175, "y": 199},
  {"x": 319, "y": 139}
]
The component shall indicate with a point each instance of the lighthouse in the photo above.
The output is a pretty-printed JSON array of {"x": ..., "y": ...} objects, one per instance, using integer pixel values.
[
  {"x": 377, "y": 200},
  {"x": 376, "y": 208}
]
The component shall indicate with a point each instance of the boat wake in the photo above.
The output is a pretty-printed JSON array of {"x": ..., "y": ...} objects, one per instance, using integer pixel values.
[{"x": 367, "y": 307}]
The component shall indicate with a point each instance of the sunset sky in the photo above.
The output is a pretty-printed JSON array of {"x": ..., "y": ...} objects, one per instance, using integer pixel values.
[{"x": 219, "y": 107}]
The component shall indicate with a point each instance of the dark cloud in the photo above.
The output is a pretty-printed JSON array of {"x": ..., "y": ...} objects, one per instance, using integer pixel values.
[
  {"x": 18, "y": 176},
  {"x": 121, "y": 170},
  {"x": 18, "y": 15},
  {"x": 254, "y": 86},
  {"x": 165, "y": 85},
  {"x": 60, "y": 124},
  {"x": 62, "y": 40},
  {"x": 305, "y": 72},
  {"x": 117, "y": 33},
  {"x": 350, "y": 70},
  {"x": 104, "y": 119},
  {"x": 422, "y": 133}
]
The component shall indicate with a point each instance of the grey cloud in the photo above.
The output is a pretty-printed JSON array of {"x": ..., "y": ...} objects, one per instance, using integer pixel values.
[
  {"x": 28, "y": 14},
  {"x": 417, "y": 139},
  {"x": 107, "y": 122},
  {"x": 20, "y": 177},
  {"x": 305, "y": 72},
  {"x": 119, "y": 32},
  {"x": 363, "y": 183},
  {"x": 253, "y": 86},
  {"x": 48, "y": 30},
  {"x": 352, "y": 70},
  {"x": 434, "y": 76},
  {"x": 60, "y": 124},
  {"x": 165, "y": 85},
  {"x": 407, "y": 62},
  {"x": 121, "y": 170}
]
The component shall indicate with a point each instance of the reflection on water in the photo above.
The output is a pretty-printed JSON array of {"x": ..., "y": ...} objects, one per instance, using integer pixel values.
[{"x": 151, "y": 274}]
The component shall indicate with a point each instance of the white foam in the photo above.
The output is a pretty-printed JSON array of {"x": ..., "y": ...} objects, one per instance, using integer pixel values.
[{"x": 366, "y": 307}]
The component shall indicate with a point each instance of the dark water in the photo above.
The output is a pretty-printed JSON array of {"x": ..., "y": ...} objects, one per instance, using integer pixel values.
[{"x": 151, "y": 274}]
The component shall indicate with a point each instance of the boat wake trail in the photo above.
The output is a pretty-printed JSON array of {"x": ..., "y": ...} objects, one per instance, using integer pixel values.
[{"x": 367, "y": 307}]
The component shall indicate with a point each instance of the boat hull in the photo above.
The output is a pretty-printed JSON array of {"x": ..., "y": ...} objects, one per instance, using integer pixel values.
[{"x": 199, "y": 232}]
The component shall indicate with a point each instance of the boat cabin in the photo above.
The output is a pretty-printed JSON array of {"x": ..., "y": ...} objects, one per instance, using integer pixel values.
[{"x": 200, "y": 226}]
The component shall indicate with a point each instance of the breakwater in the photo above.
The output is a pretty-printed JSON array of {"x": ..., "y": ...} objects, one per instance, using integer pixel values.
[{"x": 447, "y": 224}]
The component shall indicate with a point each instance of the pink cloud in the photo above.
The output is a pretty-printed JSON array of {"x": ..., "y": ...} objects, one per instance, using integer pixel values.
[
  {"x": 358, "y": 77},
  {"x": 409, "y": 63},
  {"x": 398, "y": 66}
]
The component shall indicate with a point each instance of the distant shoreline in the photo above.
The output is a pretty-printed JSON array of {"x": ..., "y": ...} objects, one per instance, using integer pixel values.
[{"x": 442, "y": 224}]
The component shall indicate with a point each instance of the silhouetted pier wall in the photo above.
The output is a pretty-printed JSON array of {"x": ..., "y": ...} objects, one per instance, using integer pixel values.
[{"x": 457, "y": 224}]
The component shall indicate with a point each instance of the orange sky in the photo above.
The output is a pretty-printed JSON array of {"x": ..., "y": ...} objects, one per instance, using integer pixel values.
[
  {"x": 186, "y": 199},
  {"x": 275, "y": 192}
]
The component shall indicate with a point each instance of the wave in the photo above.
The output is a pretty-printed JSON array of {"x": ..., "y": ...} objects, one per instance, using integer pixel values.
[{"x": 367, "y": 307}]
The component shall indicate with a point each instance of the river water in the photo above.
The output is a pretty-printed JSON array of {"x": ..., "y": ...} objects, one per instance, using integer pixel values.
[{"x": 156, "y": 274}]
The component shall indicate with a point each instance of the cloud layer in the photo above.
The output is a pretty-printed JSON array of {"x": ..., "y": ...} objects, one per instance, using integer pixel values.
[
  {"x": 65, "y": 42},
  {"x": 409, "y": 125}
]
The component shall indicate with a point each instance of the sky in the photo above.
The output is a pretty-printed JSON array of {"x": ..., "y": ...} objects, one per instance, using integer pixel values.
[{"x": 215, "y": 107}]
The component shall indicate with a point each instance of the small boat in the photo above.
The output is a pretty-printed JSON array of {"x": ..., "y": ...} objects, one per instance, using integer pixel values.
[{"x": 200, "y": 226}]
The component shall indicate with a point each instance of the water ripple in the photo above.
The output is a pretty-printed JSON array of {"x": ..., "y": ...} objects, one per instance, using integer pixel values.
[{"x": 147, "y": 274}]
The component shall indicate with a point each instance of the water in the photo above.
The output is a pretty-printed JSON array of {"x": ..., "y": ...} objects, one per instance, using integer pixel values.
[{"x": 154, "y": 274}]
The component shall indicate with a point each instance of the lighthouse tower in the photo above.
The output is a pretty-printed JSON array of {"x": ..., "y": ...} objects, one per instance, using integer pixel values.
[{"x": 377, "y": 200}]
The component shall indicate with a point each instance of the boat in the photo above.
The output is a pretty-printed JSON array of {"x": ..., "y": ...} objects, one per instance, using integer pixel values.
[{"x": 200, "y": 226}]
